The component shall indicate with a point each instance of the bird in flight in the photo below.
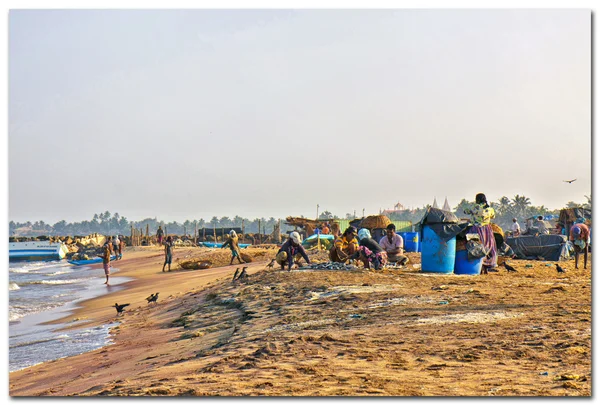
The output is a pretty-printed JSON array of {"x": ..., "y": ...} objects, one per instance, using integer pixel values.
[{"x": 569, "y": 181}]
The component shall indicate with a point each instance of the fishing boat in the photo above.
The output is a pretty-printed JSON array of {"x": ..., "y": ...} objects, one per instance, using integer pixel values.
[
  {"x": 37, "y": 250},
  {"x": 89, "y": 261}
]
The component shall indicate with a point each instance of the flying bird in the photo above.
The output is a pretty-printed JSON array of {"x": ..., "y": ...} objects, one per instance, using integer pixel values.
[
  {"x": 569, "y": 181},
  {"x": 560, "y": 269},
  {"x": 152, "y": 298},
  {"x": 120, "y": 308},
  {"x": 237, "y": 271},
  {"x": 509, "y": 268}
]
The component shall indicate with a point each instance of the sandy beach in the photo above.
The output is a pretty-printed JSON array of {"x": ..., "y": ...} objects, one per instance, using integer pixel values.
[{"x": 308, "y": 333}]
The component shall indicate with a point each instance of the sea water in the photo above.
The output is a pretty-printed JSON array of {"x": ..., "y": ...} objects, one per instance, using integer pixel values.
[{"x": 43, "y": 291}]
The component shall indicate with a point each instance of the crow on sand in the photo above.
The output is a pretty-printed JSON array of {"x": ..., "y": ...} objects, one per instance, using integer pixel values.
[{"x": 120, "y": 308}]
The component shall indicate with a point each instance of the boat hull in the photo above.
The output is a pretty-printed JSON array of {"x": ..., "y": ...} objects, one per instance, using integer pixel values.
[{"x": 36, "y": 251}]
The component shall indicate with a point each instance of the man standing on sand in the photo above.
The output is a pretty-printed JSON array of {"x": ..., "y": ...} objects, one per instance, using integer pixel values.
[
  {"x": 116, "y": 243},
  {"x": 168, "y": 252},
  {"x": 159, "y": 235},
  {"x": 580, "y": 236},
  {"x": 393, "y": 244},
  {"x": 232, "y": 242},
  {"x": 109, "y": 244},
  {"x": 106, "y": 261},
  {"x": 121, "y": 246}
]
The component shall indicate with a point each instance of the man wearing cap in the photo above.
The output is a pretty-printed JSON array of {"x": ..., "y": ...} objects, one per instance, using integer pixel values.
[
  {"x": 515, "y": 228},
  {"x": 232, "y": 242},
  {"x": 580, "y": 236},
  {"x": 290, "y": 250},
  {"x": 344, "y": 246}
]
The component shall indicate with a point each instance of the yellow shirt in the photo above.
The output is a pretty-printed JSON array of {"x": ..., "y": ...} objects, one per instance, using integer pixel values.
[
  {"x": 343, "y": 244},
  {"x": 482, "y": 216}
]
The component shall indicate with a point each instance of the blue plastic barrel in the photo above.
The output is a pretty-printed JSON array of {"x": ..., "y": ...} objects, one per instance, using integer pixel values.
[
  {"x": 437, "y": 256},
  {"x": 411, "y": 241},
  {"x": 462, "y": 264}
]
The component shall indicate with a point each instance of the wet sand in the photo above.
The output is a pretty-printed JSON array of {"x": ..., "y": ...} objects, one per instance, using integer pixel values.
[{"x": 309, "y": 333}]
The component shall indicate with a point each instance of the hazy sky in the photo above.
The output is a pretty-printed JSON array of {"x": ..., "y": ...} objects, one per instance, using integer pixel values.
[{"x": 191, "y": 114}]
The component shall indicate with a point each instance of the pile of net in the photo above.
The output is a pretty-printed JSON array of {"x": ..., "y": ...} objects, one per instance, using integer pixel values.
[{"x": 211, "y": 258}]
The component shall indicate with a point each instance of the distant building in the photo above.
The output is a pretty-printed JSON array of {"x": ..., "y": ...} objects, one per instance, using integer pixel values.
[
  {"x": 397, "y": 209},
  {"x": 435, "y": 204},
  {"x": 446, "y": 205}
]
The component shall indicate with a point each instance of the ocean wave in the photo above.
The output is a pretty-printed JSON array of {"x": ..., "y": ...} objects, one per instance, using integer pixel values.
[
  {"x": 56, "y": 273},
  {"x": 56, "y": 282},
  {"x": 33, "y": 266},
  {"x": 13, "y": 286}
]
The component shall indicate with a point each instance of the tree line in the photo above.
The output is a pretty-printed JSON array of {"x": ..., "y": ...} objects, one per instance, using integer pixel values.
[
  {"x": 112, "y": 224},
  {"x": 519, "y": 207}
]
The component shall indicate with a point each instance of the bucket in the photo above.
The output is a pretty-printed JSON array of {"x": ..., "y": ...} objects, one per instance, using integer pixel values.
[
  {"x": 411, "y": 241},
  {"x": 437, "y": 256},
  {"x": 462, "y": 264}
]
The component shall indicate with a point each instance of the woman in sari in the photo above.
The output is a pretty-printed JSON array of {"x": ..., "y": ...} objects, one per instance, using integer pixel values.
[{"x": 481, "y": 217}]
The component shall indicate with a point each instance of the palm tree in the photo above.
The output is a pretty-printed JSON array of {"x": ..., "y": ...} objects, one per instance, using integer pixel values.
[
  {"x": 521, "y": 205},
  {"x": 588, "y": 204},
  {"x": 503, "y": 205}
]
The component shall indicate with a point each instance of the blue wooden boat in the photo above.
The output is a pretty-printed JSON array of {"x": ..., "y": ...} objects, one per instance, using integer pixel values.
[
  {"x": 220, "y": 245},
  {"x": 90, "y": 261}
]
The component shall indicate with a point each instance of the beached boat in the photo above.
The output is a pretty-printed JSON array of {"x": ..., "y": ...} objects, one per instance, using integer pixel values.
[
  {"x": 219, "y": 245},
  {"x": 89, "y": 261},
  {"x": 37, "y": 250}
]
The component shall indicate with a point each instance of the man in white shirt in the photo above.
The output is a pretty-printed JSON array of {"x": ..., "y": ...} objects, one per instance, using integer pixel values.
[
  {"x": 515, "y": 228},
  {"x": 393, "y": 244}
]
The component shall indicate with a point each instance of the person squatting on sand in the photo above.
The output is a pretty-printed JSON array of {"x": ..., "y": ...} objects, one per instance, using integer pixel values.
[
  {"x": 393, "y": 245},
  {"x": 168, "y": 252},
  {"x": 232, "y": 242},
  {"x": 344, "y": 246},
  {"x": 369, "y": 251},
  {"x": 580, "y": 236},
  {"x": 481, "y": 217},
  {"x": 291, "y": 250}
]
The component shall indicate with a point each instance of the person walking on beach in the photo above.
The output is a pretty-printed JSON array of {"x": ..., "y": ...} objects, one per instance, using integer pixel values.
[
  {"x": 291, "y": 250},
  {"x": 106, "y": 261},
  {"x": 159, "y": 235},
  {"x": 168, "y": 252},
  {"x": 232, "y": 242},
  {"x": 481, "y": 218},
  {"x": 580, "y": 236}
]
